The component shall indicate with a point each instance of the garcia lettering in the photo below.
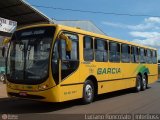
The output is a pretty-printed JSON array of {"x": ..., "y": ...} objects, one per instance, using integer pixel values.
[{"x": 101, "y": 71}]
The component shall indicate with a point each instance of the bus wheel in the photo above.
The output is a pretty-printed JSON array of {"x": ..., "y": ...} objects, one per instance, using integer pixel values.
[
  {"x": 138, "y": 83},
  {"x": 88, "y": 92},
  {"x": 2, "y": 77},
  {"x": 144, "y": 82}
]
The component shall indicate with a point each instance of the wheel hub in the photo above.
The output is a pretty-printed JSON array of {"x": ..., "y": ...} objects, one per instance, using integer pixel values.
[
  {"x": 144, "y": 82},
  {"x": 88, "y": 90}
]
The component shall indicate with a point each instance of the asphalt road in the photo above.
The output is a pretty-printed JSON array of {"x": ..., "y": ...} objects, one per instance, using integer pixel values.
[{"x": 125, "y": 101}]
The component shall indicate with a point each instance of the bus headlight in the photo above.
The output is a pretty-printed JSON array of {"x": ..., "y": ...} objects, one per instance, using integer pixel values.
[{"x": 42, "y": 87}]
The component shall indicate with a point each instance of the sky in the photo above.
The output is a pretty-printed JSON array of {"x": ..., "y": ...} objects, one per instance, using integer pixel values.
[{"x": 140, "y": 29}]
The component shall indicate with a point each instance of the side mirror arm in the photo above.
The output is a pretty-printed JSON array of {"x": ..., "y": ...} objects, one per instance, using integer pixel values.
[
  {"x": 5, "y": 41},
  {"x": 67, "y": 40}
]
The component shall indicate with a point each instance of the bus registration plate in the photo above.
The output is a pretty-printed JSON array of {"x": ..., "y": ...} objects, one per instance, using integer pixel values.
[{"x": 23, "y": 93}]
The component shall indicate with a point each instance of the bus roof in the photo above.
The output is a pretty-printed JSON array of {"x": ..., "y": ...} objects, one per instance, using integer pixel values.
[{"x": 80, "y": 31}]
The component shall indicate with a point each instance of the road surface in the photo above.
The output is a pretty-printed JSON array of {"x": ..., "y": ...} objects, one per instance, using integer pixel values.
[{"x": 125, "y": 102}]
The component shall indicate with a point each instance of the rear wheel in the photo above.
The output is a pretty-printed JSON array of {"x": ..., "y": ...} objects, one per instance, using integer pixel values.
[
  {"x": 144, "y": 82},
  {"x": 88, "y": 92},
  {"x": 138, "y": 83}
]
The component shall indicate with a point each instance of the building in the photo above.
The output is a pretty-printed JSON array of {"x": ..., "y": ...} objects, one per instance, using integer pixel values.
[
  {"x": 24, "y": 14},
  {"x": 82, "y": 24}
]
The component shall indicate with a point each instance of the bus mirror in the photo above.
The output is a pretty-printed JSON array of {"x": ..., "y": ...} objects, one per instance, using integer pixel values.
[
  {"x": 6, "y": 41},
  {"x": 67, "y": 40}
]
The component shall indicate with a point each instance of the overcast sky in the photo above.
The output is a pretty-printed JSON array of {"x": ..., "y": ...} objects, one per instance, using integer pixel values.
[{"x": 141, "y": 29}]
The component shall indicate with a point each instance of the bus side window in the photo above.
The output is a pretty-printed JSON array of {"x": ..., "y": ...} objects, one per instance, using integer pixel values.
[
  {"x": 145, "y": 55},
  {"x": 88, "y": 48},
  {"x": 136, "y": 49},
  {"x": 134, "y": 54},
  {"x": 149, "y": 56},
  {"x": 70, "y": 59},
  {"x": 142, "y": 55},
  {"x": 114, "y": 52},
  {"x": 125, "y": 53},
  {"x": 101, "y": 50},
  {"x": 154, "y": 57},
  {"x": 73, "y": 54}
]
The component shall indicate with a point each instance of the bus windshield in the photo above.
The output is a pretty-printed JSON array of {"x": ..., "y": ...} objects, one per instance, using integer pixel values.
[{"x": 28, "y": 56}]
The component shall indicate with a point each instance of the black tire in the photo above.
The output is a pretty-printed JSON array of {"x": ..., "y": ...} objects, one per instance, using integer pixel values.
[
  {"x": 144, "y": 82},
  {"x": 88, "y": 92},
  {"x": 138, "y": 83}
]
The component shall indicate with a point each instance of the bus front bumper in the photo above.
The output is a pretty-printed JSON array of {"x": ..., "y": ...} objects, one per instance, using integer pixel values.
[{"x": 49, "y": 95}]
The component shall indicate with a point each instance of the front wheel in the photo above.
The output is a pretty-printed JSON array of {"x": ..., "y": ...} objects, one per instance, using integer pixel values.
[{"x": 88, "y": 92}]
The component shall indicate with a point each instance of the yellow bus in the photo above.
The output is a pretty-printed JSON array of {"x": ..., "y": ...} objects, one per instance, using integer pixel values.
[{"x": 56, "y": 63}]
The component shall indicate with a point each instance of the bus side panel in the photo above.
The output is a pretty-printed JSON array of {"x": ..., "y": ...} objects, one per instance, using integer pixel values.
[
  {"x": 109, "y": 86},
  {"x": 114, "y": 80},
  {"x": 129, "y": 74},
  {"x": 127, "y": 78},
  {"x": 152, "y": 79},
  {"x": 71, "y": 92},
  {"x": 121, "y": 78},
  {"x": 153, "y": 70},
  {"x": 71, "y": 87}
]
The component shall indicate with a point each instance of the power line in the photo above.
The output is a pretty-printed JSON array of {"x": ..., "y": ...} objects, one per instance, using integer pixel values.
[{"x": 94, "y": 12}]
